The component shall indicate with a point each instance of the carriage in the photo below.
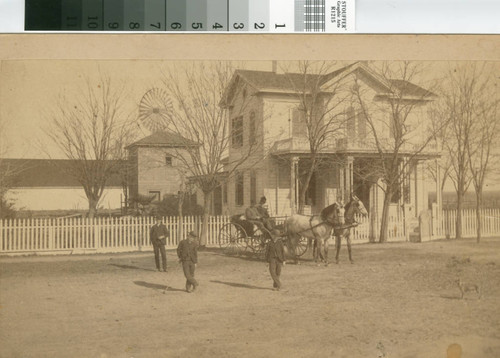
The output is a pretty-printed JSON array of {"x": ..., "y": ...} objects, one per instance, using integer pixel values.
[{"x": 241, "y": 236}]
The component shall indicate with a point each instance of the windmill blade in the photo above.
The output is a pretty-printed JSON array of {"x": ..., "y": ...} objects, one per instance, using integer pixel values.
[{"x": 155, "y": 110}]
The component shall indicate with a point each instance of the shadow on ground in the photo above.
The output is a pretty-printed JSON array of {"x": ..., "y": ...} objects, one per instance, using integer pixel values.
[
  {"x": 156, "y": 286},
  {"x": 130, "y": 267},
  {"x": 241, "y": 285}
]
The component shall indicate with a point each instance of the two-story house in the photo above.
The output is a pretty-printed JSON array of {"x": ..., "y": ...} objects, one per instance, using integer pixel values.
[{"x": 272, "y": 118}]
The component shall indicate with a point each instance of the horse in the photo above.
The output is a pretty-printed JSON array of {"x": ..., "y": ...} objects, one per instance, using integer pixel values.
[
  {"x": 354, "y": 207},
  {"x": 316, "y": 227}
]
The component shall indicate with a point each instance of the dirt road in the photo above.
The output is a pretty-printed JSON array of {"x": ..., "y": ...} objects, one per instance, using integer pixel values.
[{"x": 400, "y": 300}]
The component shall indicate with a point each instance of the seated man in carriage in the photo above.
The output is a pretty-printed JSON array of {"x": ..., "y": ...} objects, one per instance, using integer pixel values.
[{"x": 259, "y": 216}]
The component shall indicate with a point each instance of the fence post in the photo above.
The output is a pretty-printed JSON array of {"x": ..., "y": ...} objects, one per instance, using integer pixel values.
[
  {"x": 97, "y": 233},
  {"x": 50, "y": 233}
]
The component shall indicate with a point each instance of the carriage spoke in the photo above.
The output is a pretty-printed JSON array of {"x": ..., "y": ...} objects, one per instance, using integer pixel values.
[
  {"x": 232, "y": 239},
  {"x": 301, "y": 247}
]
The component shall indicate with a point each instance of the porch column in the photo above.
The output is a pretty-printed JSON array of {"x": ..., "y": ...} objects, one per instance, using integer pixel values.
[
  {"x": 347, "y": 174},
  {"x": 294, "y": 162}
]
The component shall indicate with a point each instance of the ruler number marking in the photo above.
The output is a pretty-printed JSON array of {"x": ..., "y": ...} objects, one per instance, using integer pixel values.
[
  {"x": 238, "y": 26},
  {"x": 259, "y": 26}
]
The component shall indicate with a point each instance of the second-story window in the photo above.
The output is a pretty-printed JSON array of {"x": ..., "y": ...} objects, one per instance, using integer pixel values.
[
  {"x": 237, "y": 132},
  {"x": 299, "y": 127},
  {"x": 252, "y": 139},
  {"x": 351, "y": 122},
  {"x": 168, "y": 161}
]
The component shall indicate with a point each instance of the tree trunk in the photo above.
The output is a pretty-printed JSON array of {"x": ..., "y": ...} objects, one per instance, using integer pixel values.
[
  {"x": 92, "y": 207},
  {"x": 458, "y": 222},
  {"x": 384, "y": 225},
  {"x": 204, "y": 225},
  {"x": 479, "y": 204},
  {"x": 305, "y": 187},
  {"x": 180, "y": 230}
]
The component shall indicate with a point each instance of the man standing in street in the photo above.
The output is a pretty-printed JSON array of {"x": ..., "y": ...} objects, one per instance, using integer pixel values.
[
  {"x": 188, "y": 255},
  {"x": 158, "y": 236},
  {"x": 275, "y": 255}
]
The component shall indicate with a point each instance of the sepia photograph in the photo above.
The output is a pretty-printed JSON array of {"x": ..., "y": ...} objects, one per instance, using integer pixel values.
[{"x": 166, "y": 202}]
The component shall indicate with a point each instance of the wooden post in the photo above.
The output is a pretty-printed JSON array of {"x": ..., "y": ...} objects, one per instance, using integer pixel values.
[{"x": 293, "y": 184}]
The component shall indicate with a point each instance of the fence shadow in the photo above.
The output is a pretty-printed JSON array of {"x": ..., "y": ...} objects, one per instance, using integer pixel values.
[
  {"x": 241, "y": 285},
  {"x": 156, "y": 286},
  {"x": 130, "y": 267}
]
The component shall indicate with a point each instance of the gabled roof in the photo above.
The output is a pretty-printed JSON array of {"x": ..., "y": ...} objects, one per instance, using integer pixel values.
[
  {"x": 31, "y": 173},
  {"x": 163, "y": 139},
  {"x": 411, "y": 89},
  {"x": 268, "y": 81}
]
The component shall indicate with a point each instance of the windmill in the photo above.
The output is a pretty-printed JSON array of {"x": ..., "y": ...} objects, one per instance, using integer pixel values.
[{"x": 155, "y": 110}]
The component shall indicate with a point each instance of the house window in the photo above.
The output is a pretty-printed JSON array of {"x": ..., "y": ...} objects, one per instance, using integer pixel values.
[
  {"x": 168, "y": 161},
  {"x": 224, "y": 193},
  {"x": 156, "y": 195},
  {"x": 253, "y": 188},
  {"x": 251, "y": 129},
  {"x": 361, "y": 126},
  {"x": 237, "y": 132},
  {"x": 239, "y": 189},
  {"x": 351, "y": 122},
  {"x": 299, "y": 127}
]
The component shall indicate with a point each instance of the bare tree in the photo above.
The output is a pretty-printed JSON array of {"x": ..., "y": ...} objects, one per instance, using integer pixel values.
[
  {"x": 396, "y": 129},
  {"x": 200, "y": 93},
  {"x": 486, "y": 128},
  {"x": 91, "y": 130},
  {"x": 320, "y": 118},
  {"x": 467, "y": 97}
]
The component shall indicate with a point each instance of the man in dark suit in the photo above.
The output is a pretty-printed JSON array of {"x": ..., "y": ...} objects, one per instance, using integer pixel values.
[
  {"x": 158, "y": 236},
  {"x": 275, "y": 255},
  {"x": 188, "y": 255}
]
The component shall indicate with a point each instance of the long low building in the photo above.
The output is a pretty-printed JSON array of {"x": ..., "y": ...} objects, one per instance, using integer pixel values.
[{"x": 46, "y": 184}]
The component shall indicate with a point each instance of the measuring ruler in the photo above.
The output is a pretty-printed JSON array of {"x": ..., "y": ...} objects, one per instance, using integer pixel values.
[{"x": 286, "y": 16}]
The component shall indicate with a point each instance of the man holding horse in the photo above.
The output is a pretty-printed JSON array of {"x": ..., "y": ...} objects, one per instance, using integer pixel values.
[{"x": 353, "y": 208}]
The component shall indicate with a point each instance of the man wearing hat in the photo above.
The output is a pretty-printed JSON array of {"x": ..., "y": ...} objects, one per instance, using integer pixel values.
[
  {"x": 275, "y": 255},
  {"x": 158, "y": 236},
  {"x": 188, "y": 255},
  {"x": 258, "y": 215}
]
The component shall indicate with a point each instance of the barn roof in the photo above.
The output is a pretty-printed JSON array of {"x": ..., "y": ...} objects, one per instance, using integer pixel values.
[
  {"x": 31, "y": 173},
  {"x": 163, "y": 139}
]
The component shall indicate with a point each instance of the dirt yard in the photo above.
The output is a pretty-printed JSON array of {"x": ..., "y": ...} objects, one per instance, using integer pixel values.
[{"x": 400, "y": 300}]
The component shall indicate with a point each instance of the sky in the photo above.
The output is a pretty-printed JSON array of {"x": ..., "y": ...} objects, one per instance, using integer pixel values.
[{"x": 29, "y": 89}]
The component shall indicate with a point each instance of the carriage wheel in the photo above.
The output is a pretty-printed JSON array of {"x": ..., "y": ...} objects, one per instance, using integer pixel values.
[
  {"x": 301, "y": 247},
  {"x": 259, "y": 241},
  {"x": 232, "y": 239}
]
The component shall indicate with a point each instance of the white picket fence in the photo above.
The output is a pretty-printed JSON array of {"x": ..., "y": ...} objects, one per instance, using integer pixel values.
[
  {"x": 490, "y": 223},
  {"x": 83, "y": 235},
  {"x": 100, "y": 235}
]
